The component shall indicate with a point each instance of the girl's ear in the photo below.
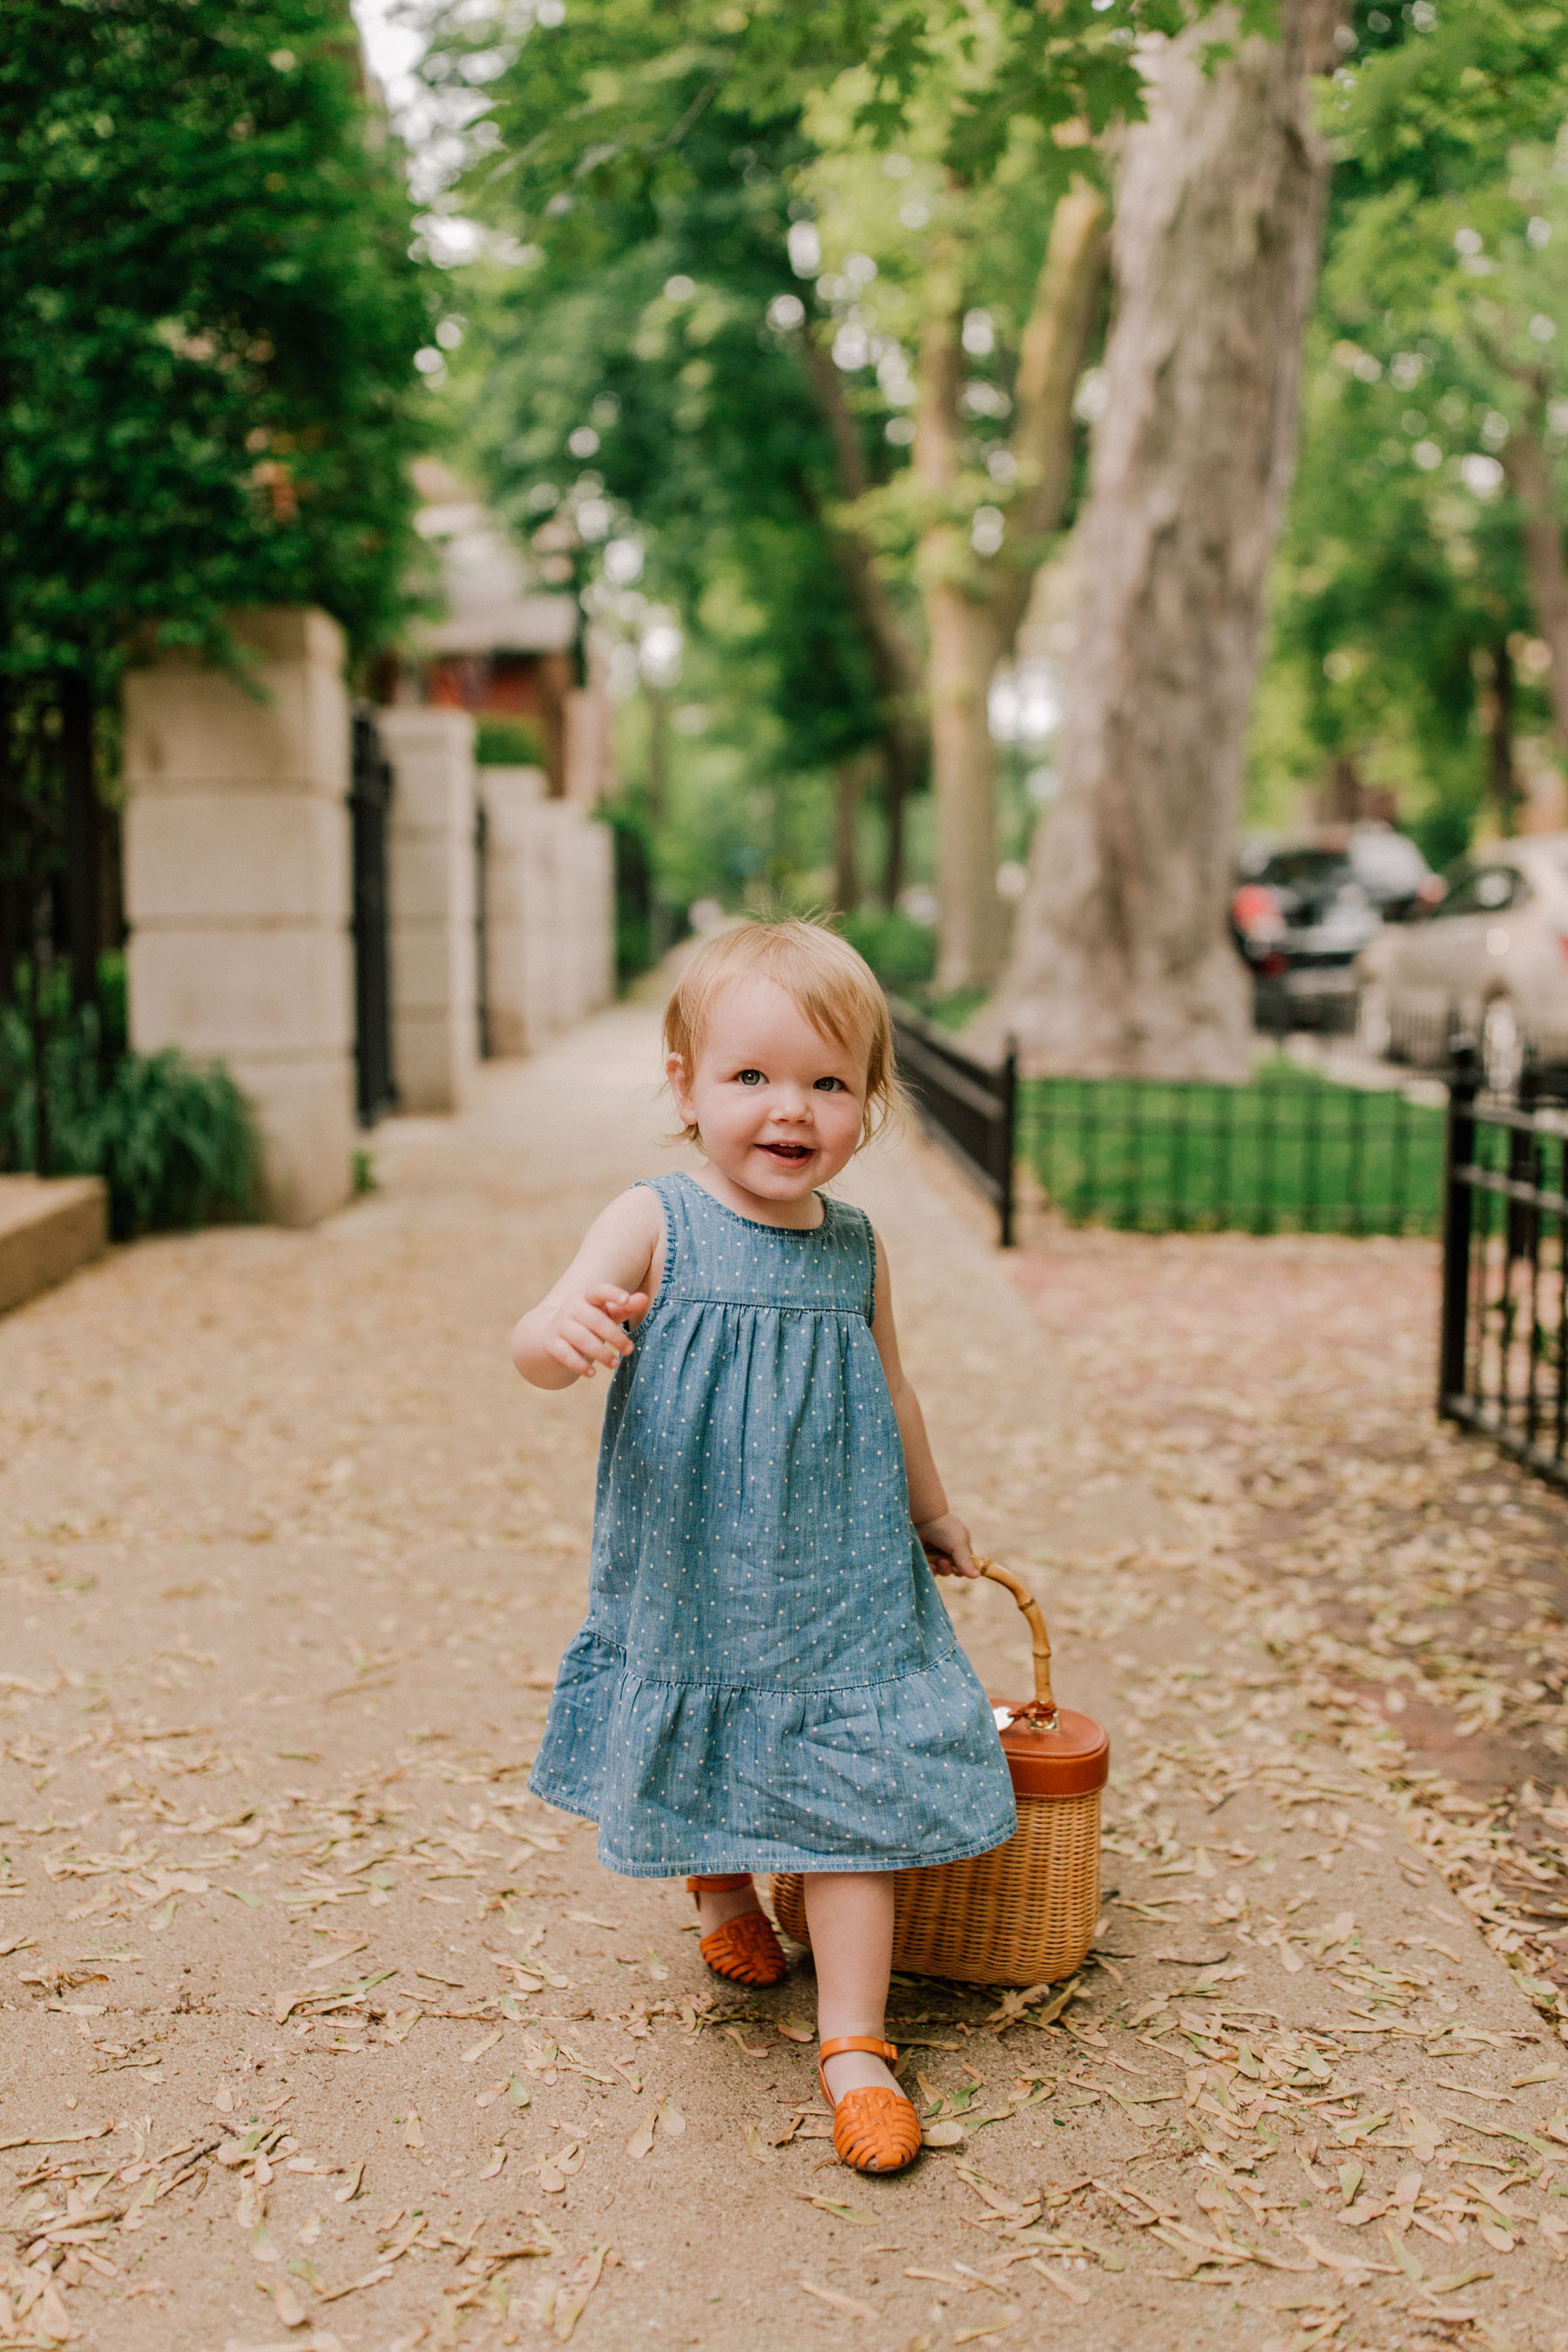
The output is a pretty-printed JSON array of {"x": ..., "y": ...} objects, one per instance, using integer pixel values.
[{"x": 680, "y": 1086}]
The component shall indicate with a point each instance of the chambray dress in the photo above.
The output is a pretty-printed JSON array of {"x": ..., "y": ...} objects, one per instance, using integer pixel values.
[{"x": 767, "y": 1678}]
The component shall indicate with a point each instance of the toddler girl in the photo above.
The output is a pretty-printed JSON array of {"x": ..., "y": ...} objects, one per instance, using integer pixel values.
[{"x": 767, "y": 1679}]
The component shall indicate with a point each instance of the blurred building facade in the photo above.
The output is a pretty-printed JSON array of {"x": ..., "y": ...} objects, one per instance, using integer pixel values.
[{"x": 505, "y": 647}]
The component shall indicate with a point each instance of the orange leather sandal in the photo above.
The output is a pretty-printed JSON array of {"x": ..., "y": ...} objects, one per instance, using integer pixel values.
[
  {"x": 744, "y": 1949},
  {"x": 875, "y": 2129}
]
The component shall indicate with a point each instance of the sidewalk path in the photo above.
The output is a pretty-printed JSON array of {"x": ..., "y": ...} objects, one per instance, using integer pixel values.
[{"x": 315, "y": 2029}]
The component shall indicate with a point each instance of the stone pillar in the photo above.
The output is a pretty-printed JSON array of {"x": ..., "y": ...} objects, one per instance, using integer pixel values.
[
  {"x": 552, "y": 940},
  {"x": 549, "y": 912},
  {"x": 237, "y": 888},
  {"x": 588, "y": 767},
  {"x": 585, "y": 748},
  {"x": 511, "y": 796},
  {"x": 434, "y": 981},
  {"x": 594, "y": 860}
]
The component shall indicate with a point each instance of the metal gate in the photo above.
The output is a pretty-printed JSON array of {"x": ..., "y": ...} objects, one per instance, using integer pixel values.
[
  {"x": 370, "y": 798},
  {"x": 481, "y": 934},
  {"x": 1505, "y": 1274}
]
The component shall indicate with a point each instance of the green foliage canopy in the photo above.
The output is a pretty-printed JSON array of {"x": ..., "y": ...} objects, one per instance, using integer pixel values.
[
  {"x": 637, "y": 152},
  {"x": 643, "y": 315},
  {"x": 208, "y": 319},
  {"x": 1445, "y": 287}
]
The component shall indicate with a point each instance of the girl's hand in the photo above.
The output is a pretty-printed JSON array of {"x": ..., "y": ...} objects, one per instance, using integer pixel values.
[
  {"x": 611, "y": 1281},
  {"x": 585, "y": 1329},
  {"x": 945, "y": 1542}
]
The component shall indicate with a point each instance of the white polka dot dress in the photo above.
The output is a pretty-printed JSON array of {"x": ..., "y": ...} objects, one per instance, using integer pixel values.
[{"x": 766, "y": 1679}]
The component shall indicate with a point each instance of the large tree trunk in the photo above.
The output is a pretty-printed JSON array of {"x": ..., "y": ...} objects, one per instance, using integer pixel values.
[
  {"x": 904, "y": 752},
  {"x": 1121, "y": 962},
  {"x": 1530, "y": 479},
  {"x": 846, "y": 785},
  {"x": 973, "y": 605},
  {"x": 657, "y": 773},
  {"x": 963, "y": 759},
  {"x": 1502, "y": 769},
  {"x": 1055, "y": 345},
  {"x": 964, "y": 779},
  {"x": 1341, "y": 790},
  {"x": 891, "y": 651}
]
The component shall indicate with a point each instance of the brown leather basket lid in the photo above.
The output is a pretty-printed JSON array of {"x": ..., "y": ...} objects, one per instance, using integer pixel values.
[{"x": 1070, "y": 1760}]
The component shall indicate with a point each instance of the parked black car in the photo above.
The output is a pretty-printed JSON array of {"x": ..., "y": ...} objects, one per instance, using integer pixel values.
[{"x": 1302, "y": 914}]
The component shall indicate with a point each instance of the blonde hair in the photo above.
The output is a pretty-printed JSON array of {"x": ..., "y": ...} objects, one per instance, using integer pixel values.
[{"x": 829, "y": 982}]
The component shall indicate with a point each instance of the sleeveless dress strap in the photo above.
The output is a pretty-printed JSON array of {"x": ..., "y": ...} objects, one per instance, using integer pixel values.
[
  {"x": 670, "y": 1193},
  {"x": 855, "y": 1235}
]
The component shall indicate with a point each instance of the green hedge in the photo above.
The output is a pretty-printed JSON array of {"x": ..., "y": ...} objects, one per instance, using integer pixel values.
[
  {"x": 175, "y": 1142},
  {"x": 901, "y": 952},
  {"x": 1292, "y": 1151},
  {"x": 509, "y": 743}
]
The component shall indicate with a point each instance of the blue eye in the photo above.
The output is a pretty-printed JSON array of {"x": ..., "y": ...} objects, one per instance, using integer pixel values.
[
  {"x": 828, "y": 1086},
  {"x": 749, "y": 1079}
]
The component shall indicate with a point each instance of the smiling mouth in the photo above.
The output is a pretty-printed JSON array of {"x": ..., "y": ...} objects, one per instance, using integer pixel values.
[{"x": 792, "y": 1154}]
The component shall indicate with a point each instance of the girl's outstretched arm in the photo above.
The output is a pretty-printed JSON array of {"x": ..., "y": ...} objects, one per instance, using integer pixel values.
[
  {"x": 944, "y": 1536},
  {"x": 609, "y": 1282}
]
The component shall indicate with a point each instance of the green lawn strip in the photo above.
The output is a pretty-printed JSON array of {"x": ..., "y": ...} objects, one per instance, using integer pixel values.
[{"x": 1289, "y": 1151}]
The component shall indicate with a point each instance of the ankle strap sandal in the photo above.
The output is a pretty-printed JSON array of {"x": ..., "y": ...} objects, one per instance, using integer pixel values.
[
  {"x": 875, "y": 2129},
  {"x": 745, "y": 1950}
]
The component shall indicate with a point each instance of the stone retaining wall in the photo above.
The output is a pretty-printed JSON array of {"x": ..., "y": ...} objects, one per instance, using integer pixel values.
[{"x": 49, "y": 1226}]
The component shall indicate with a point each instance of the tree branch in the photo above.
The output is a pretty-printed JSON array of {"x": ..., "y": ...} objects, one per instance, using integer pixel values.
[
  {"x": 941, "y": 364},
  {"x": 1055, "y": 340},
  {"x": 828, "y": 385},
  {"x": 895, "y": 657}
]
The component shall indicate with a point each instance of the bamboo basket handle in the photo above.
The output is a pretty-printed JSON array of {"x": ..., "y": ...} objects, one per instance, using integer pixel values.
[{"x": 1039, "y": 1638}]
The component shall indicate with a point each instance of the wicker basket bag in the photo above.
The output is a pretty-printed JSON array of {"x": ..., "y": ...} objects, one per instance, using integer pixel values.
[{"x": 1024, "y": 1914}]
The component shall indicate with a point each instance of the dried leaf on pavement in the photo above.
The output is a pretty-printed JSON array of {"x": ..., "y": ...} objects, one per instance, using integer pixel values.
[
  {"x": 570, "y": 2300},
  {"x": 847, "y": 2304},
  {"x": 997, "y": 2327}
]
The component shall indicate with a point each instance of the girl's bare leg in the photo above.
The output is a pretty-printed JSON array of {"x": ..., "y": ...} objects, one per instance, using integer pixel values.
[
  {"x": 850, "y": 1914},
  {"x": 718, "y": 1906}
]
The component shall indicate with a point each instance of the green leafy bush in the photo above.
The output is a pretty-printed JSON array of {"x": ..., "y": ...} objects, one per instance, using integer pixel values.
[
  {"x": 209, "y": 311},
  {"x": 636, "y": 914},
  {"x": 901, "y": 952},
  {"x": 175, "y": 1142},
  {"x": 509, "y": 743}
]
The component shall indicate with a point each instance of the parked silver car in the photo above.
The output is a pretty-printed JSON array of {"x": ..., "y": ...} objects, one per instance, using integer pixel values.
[
  {"x": 1490, "y": 959},
  {"x": 1302, "y": 912}
]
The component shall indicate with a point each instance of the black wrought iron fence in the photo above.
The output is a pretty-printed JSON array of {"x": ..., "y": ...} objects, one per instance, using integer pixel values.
[
  {"x": 1295, "y": 1149},
  {"x": 482, "y": 931},
  {"x": 369, "y": 801},
  {"x": 1504, "y": 1355},
  {"x": 968, "y": 1105}
]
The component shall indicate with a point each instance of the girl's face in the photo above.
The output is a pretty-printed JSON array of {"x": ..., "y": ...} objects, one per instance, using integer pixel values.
[{"x": 780, "y": 1105}]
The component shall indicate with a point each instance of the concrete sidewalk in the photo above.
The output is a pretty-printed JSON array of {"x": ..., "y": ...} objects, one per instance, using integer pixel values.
[{"x": 287, "y": 1555}]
